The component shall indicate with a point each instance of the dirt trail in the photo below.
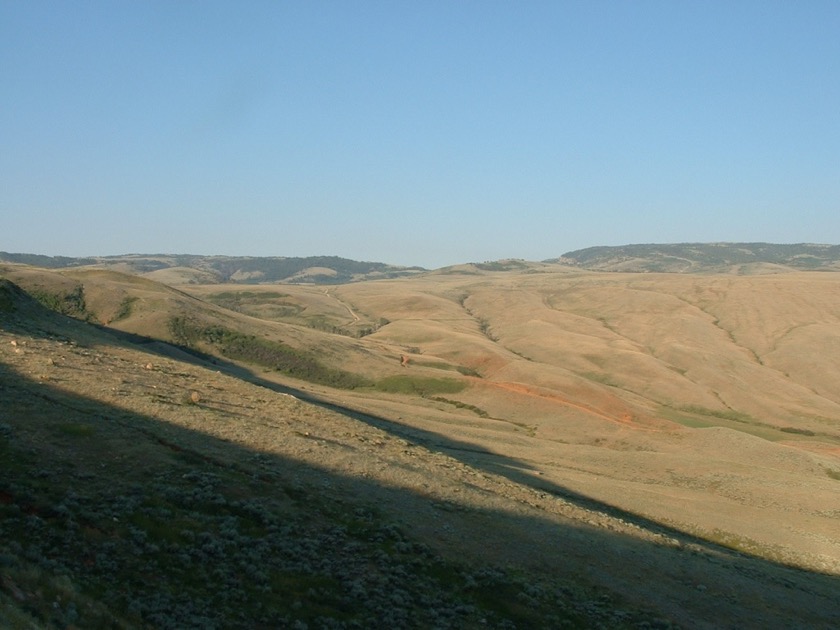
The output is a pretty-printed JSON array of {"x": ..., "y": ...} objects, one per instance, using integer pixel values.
[{"x": 343, "y": 303}]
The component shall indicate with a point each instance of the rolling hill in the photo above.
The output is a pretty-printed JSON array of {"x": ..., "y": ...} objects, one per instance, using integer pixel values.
[
  {"x": 508, "y": 444},
  {"x": 706, "y": 257},
  {"x": 741, "y": 258},
  {"x": 183, "y": 268}
]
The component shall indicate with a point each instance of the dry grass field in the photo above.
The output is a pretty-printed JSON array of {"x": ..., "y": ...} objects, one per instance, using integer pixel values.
[
  {"x": 655, "y": 449},
  {"x": 707, "y": 402}
]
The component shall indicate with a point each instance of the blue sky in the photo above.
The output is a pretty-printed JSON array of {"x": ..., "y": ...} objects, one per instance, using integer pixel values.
[{"x": 415, "y": 133}]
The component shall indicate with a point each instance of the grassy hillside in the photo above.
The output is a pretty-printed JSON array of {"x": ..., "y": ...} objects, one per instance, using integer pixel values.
[
  {"x": 303, "y": 345},
  {"x": 617, "y": 384},
  {"x": 140, "y": 492},
  {"x": 530, "y": 446}
]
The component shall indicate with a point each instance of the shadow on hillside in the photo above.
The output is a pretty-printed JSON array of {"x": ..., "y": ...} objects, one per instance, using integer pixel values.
[
  {"x": 709, "y": 586},
  {"x": 478, "y": 457}
]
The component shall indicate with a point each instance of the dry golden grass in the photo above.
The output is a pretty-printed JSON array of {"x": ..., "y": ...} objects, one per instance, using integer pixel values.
[
  {"x": 626, "y": 419},
  {"x": 707, "y": 401},
  {"x": 612, "y": 379}
]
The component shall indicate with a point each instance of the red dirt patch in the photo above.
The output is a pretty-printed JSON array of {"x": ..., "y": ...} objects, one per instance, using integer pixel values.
[{"x": 620, "y": 416}]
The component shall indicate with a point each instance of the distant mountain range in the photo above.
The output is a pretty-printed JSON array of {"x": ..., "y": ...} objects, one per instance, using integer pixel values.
[
  {"x": 705, "y": 257},
  {"x": 663, "y": 258},
  {"x": 223, "y": 269}
]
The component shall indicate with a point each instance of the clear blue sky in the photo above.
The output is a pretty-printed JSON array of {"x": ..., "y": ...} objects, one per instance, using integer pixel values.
[{"x": 419, "y": 132}]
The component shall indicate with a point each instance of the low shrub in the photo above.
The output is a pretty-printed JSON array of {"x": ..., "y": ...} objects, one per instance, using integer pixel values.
[
  {"x": 731, "y": 414},
  {"x": 274, "y": 355},
  {"x": 462, "y": 405},
  {"x": 419, "y": 385},
  {"x": 125, "y": 309},
  {"x": 70, "y": 302}
]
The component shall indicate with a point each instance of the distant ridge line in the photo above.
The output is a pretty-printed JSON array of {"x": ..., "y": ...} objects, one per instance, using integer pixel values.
[
  {"x": 690, "y": 257},
  {"x": 232, "y": 269},
  {"x": 705, "y": 257}
]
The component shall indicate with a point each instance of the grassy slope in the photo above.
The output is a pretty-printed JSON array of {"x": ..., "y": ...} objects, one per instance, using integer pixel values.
[
  {"x": 138, "y": 491},
  {"x": 602, "y": 377},
  {"x": 581, "y": 374}
]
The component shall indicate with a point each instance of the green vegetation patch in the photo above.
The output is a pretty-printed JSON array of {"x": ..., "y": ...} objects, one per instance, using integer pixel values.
[
  {"x": 462, "y": 405},
  {"x": 466, "y": 371},
  {"x": 125, "y": 309},
  {"x": 276, "y": 306},
  {"x": 419, "y": 385},
  {"x": 263, "y": 352},
  {"x": 70, "y": 302},
  {"x": 696, "y": 417},
  {"x": 729, "y": 414},
  {"x": 501, "y": 265}
]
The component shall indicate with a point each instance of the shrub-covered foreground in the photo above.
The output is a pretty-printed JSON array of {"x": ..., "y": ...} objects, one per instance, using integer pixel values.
[
  {"x": 119, "y": 509},
  {"x": 198, "y": 544}
]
